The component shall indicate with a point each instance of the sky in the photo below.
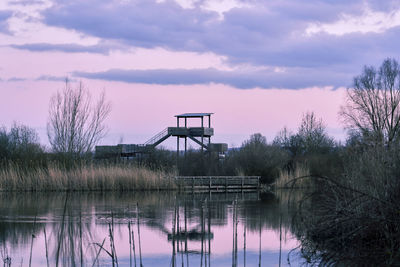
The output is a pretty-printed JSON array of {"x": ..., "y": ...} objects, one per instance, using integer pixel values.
[{"x": 257, "y": 65}]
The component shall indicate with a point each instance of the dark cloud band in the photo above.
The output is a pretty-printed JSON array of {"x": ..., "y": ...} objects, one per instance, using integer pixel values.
[
  {"x": 291, "y": 79},
  {"x": 67, "y": 48}
]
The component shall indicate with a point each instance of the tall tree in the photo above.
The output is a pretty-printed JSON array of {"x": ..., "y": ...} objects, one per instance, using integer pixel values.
[
  {"x": 372, "y": 106},
  {"x": 76, "y": 124},
  {"x": 310, "y": 138}
]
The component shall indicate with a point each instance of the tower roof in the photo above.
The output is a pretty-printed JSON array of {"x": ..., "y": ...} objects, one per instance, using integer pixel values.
[{"x": 193, "y": 115}]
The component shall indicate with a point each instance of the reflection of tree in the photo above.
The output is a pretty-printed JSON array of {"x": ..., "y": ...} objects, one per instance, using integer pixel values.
[
  {"x": 17, "y": 215},
  {"x": 70, "y": 231},
  {"x": 69, "y": 234},
  {"x": 155, "y": 210}
]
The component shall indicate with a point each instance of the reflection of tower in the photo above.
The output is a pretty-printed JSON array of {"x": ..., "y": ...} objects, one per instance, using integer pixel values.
[{"x": 181, "y": 238}]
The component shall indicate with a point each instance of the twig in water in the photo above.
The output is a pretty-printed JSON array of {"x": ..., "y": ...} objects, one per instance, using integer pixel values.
[
  {"x": 33, "y": 236},
  {"x": 98, "y": 252},
  {"x": 138, "y": 226},
  {"x": 133, "y": 247},
  {"x": 130, "y": 244},
  {"x": 62, "y": 230},
  {"x": 45, "y": 243}
]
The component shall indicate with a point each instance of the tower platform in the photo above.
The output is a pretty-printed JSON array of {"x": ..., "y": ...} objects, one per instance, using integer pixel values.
[{"x": 201, "y": 135}]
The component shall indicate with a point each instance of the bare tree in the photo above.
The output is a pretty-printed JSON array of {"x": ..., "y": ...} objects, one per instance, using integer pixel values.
[
  {"x": 76, "y": 124},
  {"x": 311, "y": 137},
  {"x": 372, "y": 106},
  {"x": 312, "y": 131}
]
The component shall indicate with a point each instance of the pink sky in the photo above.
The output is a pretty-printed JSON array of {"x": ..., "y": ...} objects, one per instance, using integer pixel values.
[
  {"x": 257, "y": 65},
  {"x": 140, "y": 111}
]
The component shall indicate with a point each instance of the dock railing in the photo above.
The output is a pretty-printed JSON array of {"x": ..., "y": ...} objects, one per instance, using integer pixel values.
[{"x": 218, "y": 183}]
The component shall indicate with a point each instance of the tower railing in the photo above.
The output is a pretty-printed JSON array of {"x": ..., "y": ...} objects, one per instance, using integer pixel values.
[{"x": 157, "y": 137}]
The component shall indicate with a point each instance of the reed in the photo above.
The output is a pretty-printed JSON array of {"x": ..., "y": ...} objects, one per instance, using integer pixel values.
[
  {"x": 287, "y": 179},
  {"x": 88, "y": 177}
]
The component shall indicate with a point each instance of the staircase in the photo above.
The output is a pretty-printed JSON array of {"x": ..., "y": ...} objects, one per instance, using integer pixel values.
[{"x": 158, "y": 138}]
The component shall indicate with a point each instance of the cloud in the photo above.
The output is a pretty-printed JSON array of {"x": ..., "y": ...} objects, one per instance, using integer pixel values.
[
  {"x": 54, "y": 78},
  {"x": 16, "y": 79},
  {"x": 4, "y": 16},
  {"x": 264, "y": 33},
  {"x": 26, "y": 2},
  {"x": 266, "y": 79},
  {"x": 67, "y": 48},
  {"x": 267, "y": 34},
  {"x": 140, "y": 23}
]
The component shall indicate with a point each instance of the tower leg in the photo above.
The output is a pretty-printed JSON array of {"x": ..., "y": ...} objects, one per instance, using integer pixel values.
[
  {"x": 177, "y": 147},
  {"x": 185, "y": 145}
]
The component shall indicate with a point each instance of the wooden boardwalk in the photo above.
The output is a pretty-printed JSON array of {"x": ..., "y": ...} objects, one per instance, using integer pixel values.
[{"x": 218, "y": 183}]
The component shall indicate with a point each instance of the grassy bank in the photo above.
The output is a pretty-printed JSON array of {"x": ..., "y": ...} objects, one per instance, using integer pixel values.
[{"x": 85, "y": 178}]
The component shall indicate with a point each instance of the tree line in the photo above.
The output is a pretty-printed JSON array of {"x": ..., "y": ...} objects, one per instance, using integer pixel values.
[{"x": 371, "y": 115}]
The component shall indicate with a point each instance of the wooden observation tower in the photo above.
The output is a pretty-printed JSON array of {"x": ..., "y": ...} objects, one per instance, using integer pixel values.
[{"x": 200, "y": 134}]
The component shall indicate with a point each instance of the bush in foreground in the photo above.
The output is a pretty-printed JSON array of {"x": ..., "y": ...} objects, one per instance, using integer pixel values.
[{"x": 355, "y": 218}]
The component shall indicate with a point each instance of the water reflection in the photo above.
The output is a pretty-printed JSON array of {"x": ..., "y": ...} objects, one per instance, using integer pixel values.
[{"x": 145, "y": 229}]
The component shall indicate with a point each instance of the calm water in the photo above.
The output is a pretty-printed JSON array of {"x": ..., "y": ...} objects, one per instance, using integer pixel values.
[{"x": 157, "y": 229}]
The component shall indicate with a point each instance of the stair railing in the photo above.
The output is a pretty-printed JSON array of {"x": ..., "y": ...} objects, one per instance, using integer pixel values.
[{"x": 157, "y": 137}]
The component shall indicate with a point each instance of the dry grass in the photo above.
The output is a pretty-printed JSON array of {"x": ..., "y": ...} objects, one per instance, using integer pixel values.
[
  {"x": 86, "y": 178},
  {"x": 288, "y": 179}
]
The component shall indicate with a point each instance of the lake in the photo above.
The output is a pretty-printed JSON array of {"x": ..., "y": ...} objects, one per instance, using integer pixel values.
[{"x": 148, "y": 229}]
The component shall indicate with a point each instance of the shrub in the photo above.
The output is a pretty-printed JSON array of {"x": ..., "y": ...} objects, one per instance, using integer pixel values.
[
  {"x": 256, "y": 157},
  {"x": 21, "y": 146}
]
